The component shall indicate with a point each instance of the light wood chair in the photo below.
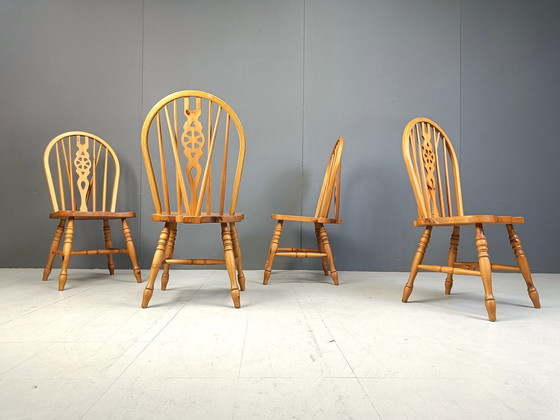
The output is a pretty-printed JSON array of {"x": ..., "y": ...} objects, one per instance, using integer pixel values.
[
  {"x": 433, "y": 170},
  {"x": 86, "y": 187},
  {"x": 194, "y": 129},
  {"x": 330, "y": 191}
]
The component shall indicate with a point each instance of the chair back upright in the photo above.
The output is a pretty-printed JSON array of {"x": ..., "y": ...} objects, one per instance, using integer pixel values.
[
  {"x": 330, "y": 190},
  {"x": 199, "y": 148},
  {"x": 86, "y": 175},
  {"x": 433, "y": 169}
]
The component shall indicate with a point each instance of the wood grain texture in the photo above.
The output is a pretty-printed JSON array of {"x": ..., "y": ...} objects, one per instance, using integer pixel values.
[
  {"x": 92, "y": 215},
  {"x": 54, "y": 248},
  {"x": 452, "y": 257},
  {"x": 329, "y": 194},
  {"x": 108, "y": 245},
  {"x": 198, "y": 147},
  {"x": 272, "y": 250},
  {"x": 523, "y": 265},
  {"x": 321, "y": 249},
  {"x": 230, "y": 264},
  {"x": 433, "y": 170},
  {"x": 87, "y": 172},
  {"x": 157, "y": 261},
  {"x": 238, "y": 256},
  {"x": 169, "y": 250},
  {"x": 203, "y": 218},
  {"x": 468, "y": 220}
]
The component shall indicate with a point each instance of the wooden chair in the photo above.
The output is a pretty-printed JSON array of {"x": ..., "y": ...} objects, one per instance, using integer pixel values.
[
  {"x": 433, "y": 170},
  {"x": 330, "y": 191},
  {"x": 86, "y": 187},
  {"x": 194, "y": 130}
]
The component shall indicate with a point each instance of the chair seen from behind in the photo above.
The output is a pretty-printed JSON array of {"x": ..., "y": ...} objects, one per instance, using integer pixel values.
[
  {"x": 83, "y": 185},
  {"x": 193, "y": 146},
  {"x": 330, "y": 194},
  {"x": 433, "y": 170}
]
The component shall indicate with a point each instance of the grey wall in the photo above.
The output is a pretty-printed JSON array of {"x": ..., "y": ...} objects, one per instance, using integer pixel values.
[{"x": 299, "y": 74}]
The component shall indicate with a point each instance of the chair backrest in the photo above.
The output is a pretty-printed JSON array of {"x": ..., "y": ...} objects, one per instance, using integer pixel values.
[
  {"x": 433, "y": 169},
  {"x": 184, "y": 129},
  {"x": 330, "y": 189},
  {"x": 87, "y": 173}
]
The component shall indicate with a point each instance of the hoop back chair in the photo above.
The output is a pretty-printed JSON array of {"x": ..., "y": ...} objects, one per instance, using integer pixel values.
[
  {"x": 84, "y": 187},
  {"x": 330, "y": 192},
  {"x": 433, "y": 170},
  {"x": 200, "y": 147}
]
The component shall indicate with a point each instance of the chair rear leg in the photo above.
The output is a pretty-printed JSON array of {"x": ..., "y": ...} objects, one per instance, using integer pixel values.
[
  {"x": 523, "y": 265},
  {"x": 169, "y": 250},
  {"x": 108, "y": 245},
  {"x": 321, "y": 249},
  {"x": 131, "y": 250},
  {"x": 485, "y": 271},
  {"x": 238, "y": 256},
  {"x": 54, "y": 247},
  {"x": 156, "y": 264},
  {"x": 272, "y": 250},
  {"x": 416, "y": 261},
  {"x": 327, "y": 247},
  {"x": 66, "y": 250},
  {"x": 453, "y": 247},
  {"x": 230, "y": 265}
]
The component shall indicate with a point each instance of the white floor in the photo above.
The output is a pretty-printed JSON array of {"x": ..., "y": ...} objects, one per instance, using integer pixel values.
[{"x": 298, "y": 348}]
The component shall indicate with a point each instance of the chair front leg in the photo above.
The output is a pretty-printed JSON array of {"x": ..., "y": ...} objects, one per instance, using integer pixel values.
[
  {"x": 169, "y": 250},
  {"x": 54, "y": 247},
  {"x": 66, "y": 252},
  {"x": 452, "y": 257},
  {"x": 230, "y": 264},
  {"x": 272, "y": 250},
  {"x": 416, "y": 261},
  {"x": 327, "y": 247},
  {"x": 238, "y": 256},
  {"x": 131, "y": 250},
  {"x": 321, "y": 249},
  {"x": 156, "y": 264},
  {"x": 523, "y": 265},
  {"x": 485, "y": 271},
  {"x": 108, "y": 245}
]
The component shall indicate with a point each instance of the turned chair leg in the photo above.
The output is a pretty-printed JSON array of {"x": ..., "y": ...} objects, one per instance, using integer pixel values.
[
  {"x": 54, "y": 247},
  {"x": 523, "y": 265},
  {"x": 485, "y": 271},
  {"x": 230, "y": 265},
  {"x": 156, "y": 264},
  {"x": 66, "y": 252},
  {"x": 321, "y": 249},
  {"x": 131, "y": 250},
  {"x": 169, "y": 250},
  {"x": 108, "y": 245},
  {"x": 272, "y": 250},
  {"x": 416, "y": 261},
  {"x": 327, "y": 247},
  {"x": 452, "y": 257},
  {"x": 238, "y": 256}
]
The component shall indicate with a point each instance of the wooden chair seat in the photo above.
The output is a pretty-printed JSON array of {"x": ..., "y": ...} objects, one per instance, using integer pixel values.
[
  {"x": 203, "y": 218},
  {"x": 295, "y": 218},
  {"x": 484, "y": 219},
  {"x": 330, "y": 192},
  {"x": 433, "y": 170},
  {"x": 198, "y": 144},
  {"x": 84, "y": 187},
  {"x": 92, "y": 215}
]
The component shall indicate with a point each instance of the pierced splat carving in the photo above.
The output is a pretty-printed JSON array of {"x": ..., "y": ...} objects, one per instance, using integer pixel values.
[
  {"x": 193, "y": 141},
  {"x": 83, "y": 166},
  {"x": 429, "y": 159}
]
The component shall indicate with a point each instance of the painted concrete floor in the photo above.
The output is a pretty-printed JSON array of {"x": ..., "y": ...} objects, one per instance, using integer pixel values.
[{"x": 298, "y": 348}]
